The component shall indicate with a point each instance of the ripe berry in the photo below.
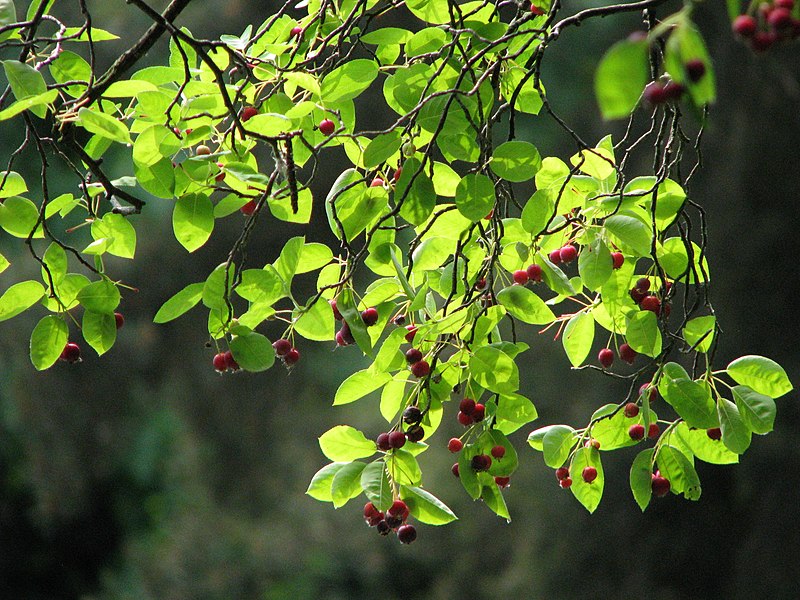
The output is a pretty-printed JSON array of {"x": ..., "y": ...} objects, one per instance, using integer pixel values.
[
  {"x": 420, "y": 369},
  {"x": 344, "y": 337},
  {"x": 412, "y": 415},
  {"x": 393, "y": 522},
  {"x": 399, "y": 320},
  {"x": 535, "y": 272},
  {"x": 479, "y": 412},
  {"x": 653, "y": 431},
  {"x": 336, "y": 314},
  {"x": 617, "y": 259},
  {"x": 653, "y": 393},
  {"x": 119, "y": 320},
  {"x": 327, "y": 127},
  {"x": 489, "y": 215},
  {"x": 763, "y": 40},
  {"x": 202, "y": 150},
  {"x": 565, "y": 483},
  {"x": 398, "y": 509},
  {"x": 520, "y": 277},
  {"x": 282, "y": 346},
  {"x": 382, "y": 441},
  {"x": 415, "y": 433},
  {"x": 454, "y": 470},
  {"x": 637, "y": 295},
  {"x": 536, "y": 10},
  {"x": 369, "y": 510},
  {"x": 498, "y": 452},
  {"x": 230, "y": 361},
  {"x": 631, "y": 410},
  {"x": 636, "y": 432},
  {"x": 71, "y": 353},
  {"x": 715, "y": 433},
  {"x": 592, "y": 443},
  {"x": 654, "y": 93},
  {"x": 248, "y": 112},
  {"x": 296, "y": 31},
  {"x": 377, "y": 182},
  {"x": 568, "y": 253},
  {"x": 291, "y": 357},
  {"x": 555, "y": 256},
  {"x": 642, "y": 284},
  {"x": 249, "y": 208},
  {"x": 467, "y": 406},
  {"x": 397, "y": 173},
  {"x": 659, "y": 485},
  {"x": 627, "y": 353},
  {"x": 651, "y": 303},
  {"x": 455, "y": 445},
  {"x": 673, "y": 90},
  {"x": 562, "y": 473},
  {"x": 589, "y": 474},
  {"x": 464, "y": 419},
  {"x": 606, "y": 357},
  {"x": 787, "y": 4},
  {"x": 383, "y": 528},
  {"x": 219, "y": 362},
  {"x": 481, "y": 462},
  {"x": 502, "y": 482},
  {"x": 695, "y": 69},
  {"x": 397, "y": 439},
  {"x": 779, "y": 18},
  {"x": 413, "y": 355},
  {"x": 369, "y": 316},
  {"x": 412, "y": 331},
  {"x": 406, "y": 534}
]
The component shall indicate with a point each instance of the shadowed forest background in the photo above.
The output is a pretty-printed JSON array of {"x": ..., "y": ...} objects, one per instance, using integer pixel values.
[{"x": 146, "y": 475}]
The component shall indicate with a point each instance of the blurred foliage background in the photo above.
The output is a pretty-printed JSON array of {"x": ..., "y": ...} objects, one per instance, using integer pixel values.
[{"x": 145, "y": 475}]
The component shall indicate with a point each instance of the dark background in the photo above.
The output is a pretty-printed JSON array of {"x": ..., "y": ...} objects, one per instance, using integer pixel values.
[{"x": 146, "y": 475}]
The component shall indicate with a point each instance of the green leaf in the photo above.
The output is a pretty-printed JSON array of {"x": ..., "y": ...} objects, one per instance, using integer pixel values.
[
  {"x": 119, "y": 233},
  {"x": 403, "y": 467},
  {"x": 180, "y": 303},
  {"x": 588, "y": 494},
  {"x": 19, "y": 216},
  {"x": 699, "y": 332},
  {"x": 757, "y": 410},
  {"x": 25, "y": 81},
  {"x": 214, "y": 287},
  {"x": 321, "y": 483},
  {"x": 345, "y": 443},
  {"x": 375, "y": 484},
  {"x": 381, "y": 148},
  {"x": 557, "y": 444},
  {"x": 193, "y": 220},
  {"x": 683, "y": 45},
  {"x": 525, "y": 305},
  {"x": 763, "y": 375},
  {"x": 516, "y": 161},
  {"x": 736, "y": 435},
  {"x": 315, "y": 323},
  {"x": 348, "y": 81},
  {"x": 12, "y": 184},
  {"x": 99, "y": 330},
  {"x": 578, "y": 337},
  {"x": 19, "y": 298},
  {"x": 641, "y": 478},
  {"x": 513, "y": 411},
  {"x": 690, "y": 399},
  {"x": 630, "y": 233},
  {"x": 8, "y": 15},
  {"x": 494, "y": 370},
  {"x": 703, "y": 447},
  {"x": 104, "y": 125},
  {"x": 29, "y": 103},
  {"x": 425, "y": 507},
  {"x": 595, "y": 265},
  {"x": 475, "y": 196},
  {"x": 493, "y": 498},
  {"x": 466, "y": 474},
  {"x": 346, "y": 483},
  {"x": 4, "y": 264},
  {"x": 620, "y": 78},
  {"x": 360, "y": 384},
  {"x": 431, "y": 11},
  {"x": 100, "y": 296},
  {"x": 47, "y": 341},
  {"x": 253, "y": 352},
  {"x": 415, "y": 190},
  {"x": 71, "y": 67},
  {"x": 352, "y": 316},
  {"x": 682, "y": 477},
  {"x": 643, "y": 334}
]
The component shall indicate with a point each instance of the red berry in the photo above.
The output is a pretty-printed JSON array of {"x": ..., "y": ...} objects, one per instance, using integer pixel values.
[
  {"x": 393, "y": 522},
  {"x": 420, "y": 369},
  {"x": 655, "y": 94},
  {"x": 369, "y": 510},
  {"x": 291, "y": 357},
  {"x": 327, "y": 127},
  {"x": 637, "y": 295},
  {"x": 715, "y": 433},
  {"x": 481, "y": 462},
  {"x": 282, "y": 346},
  {"x": 520, "y": 277},
  {"x": 568, "y": 253},
  {"x": 344, "y": 337},
  {"x": 780, "y": 18},
  {"x": 695, "y": 69},
  {"x": 454, "y": 470},
  {"x": 562, "y": 473},
  {"x": 413, "y": 355},
  {"x": 219, "y": 362},
  {"x": 673, "y": 90},
  {"x": 479, "y": 412},
  {"x": 565, "y": 483},
  {"x": 296, "y": 31},
  {"x": 383, "y": 528},
  {"x": 455, "y": 445},
  {"x": 589, "y": 474},
  {"x": 535, "y": 272},
  {"x": 71, "y": 353},
  {"x": 415, "y": 433},
  {"x": 481, "y": 283},
  {"x": 653, "y": 431},
  {"x": 498, "y": 452},
  {"x": 643, "y": 284},
  {"x": 399, "y": 320},
  {"x": 336, "y": 314},
  {"x": 464, "y": 419},
  {"x": 398, "y": 509},
  {"x": 618, "y": 259},
  {"x": 412, "y": 331},
  {"x": 369, "y": 316},
  {"x": 651, "y": 303},
  {"x": 592, "y": 443},
  {"x": 230, "y": 361},
  {"x": 660, "y": 486},
  {"x": 631, "y": 410},
  {"x": 555, "y": 256},
  {"x": 397, "y": 439},
  {"x": 382, "y": 441},
  {"x": 406, "y": 534},
  {"x": 606, "y": 357},
  {"x": 636, "y": 432},
  {"x": 536, "y": 10},
  {"x": 627, "y": 353},
  {"x": 377, "y": 182},
  {"x": 219, "y": 177},
  {"x": 787, "y": 4},
  {"x": 248, "y": 112},
  {"x": 763, "y": 40},
  {"x": 397, "y": 173},
  {"x": 412, "y": 415},
  {"x": 249, "y": 208},
  {"x": 502, "y": 482},
  {"x": 489, "y": 215},
  {"x": 467, "y": 406},
  {"x": 119, "y": 320},
  {"x": 653, "y": 394}
]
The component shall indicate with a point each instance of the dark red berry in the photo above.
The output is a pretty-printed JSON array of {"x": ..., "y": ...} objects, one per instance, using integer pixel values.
[
  {"x": 562, "y": 473},
  {"x": 654, "y": 93},
  {"x": 398, "y": 509},
  {"x": 413, "y": 355},
  {"x": 606, "y": 357},
  {"x": 481, "y": 462},
  {"x": 369, "y": 316},
  {"x": 780, "y": 18},
  {"x": 481, "y": 283},
  {"x": 763, "y": 40},
  {"x": 292, "y": 357},
  {"x": 296, "y": 31},
  {"x": 282, "y": 346},
  {"x": 479, "y": 412},
  {"x": 637, "y": 295},
  {"x": 653, "y": 431},
  {"x": 220, "y": 363},
  {"x": 568, "y": 253},
  {"x": 393, "y": 522},
  {"x": 631, "y": 410},
  {"x": 695, "y": 69},
  {"x": 653, "y": 393},
  {"x": 498, "y": 452},
  {"x": 415, "y": 433},
  {"x": 400, "y": 320},
  {"x": 230, "y": 361},
  {"x": 382, "y": 441},
  {"x": 787, "y": 4},
  {"x": 373, "y": 520},
  {"x": 555, "y": 256},
  {"x": 454, "y": 470},
  {"x": 397, "y": 439},
  {"x": 465, "y": 419},
  {"x": 636, "y": 432},
  {"x": 72, "y": 353},
  {"x": 377, "y": 182},
  {"x": 673, "y": 90},
  {"x": 369, "y": 510},
  {"x": 406, "y": 534},
  {"x": 420, "y": 369},
  {"x": 565, "y": 483},
  {"x": 660, "y": 486},
  {"x": 715, "y": 433},
  {"x": 502, "y": 482},
  {"x": 618, "y": 259},
  {"x": 336, "y": 313},
  {"x": 651, "y": 303},
  {"x": 642, "y": 284},
  {"x": 467, "y": 406},
  {"x": 535, "y": 273},
  {"x": 455, "y": 445},
  {"x": 592, "y": 443},
  {"x": 412, "y": 331},
  {"x": 627, "y": 353},
  {"x": 412, "y": 415},
  {"x": 119, "y": 320},
  {"x": 520, "y": 277},
  {"x": 397, "y": 173},
  {"x": 248, "y": 112},
  {"x": 383, "y": 528},
  {"x": 327, "y": 127},
  {"x": 589, "y": 474},
  {"x": 249, "y": 208}
]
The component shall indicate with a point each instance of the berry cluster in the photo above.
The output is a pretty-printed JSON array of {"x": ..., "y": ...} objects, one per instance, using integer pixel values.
[
  {"x": 532, "y": 273},
  {"x": 344, "y": 337},
  {"x": 470, "y": 412},
  {"x": 224, "y": 361},
  {"x": 565, "y": 254},
  {"x": 394, "y": 519},
  {"x": 286, "y": 352},
  {"x": 647, "y": 300},
  {"x": 772, "y": 23},
  {"x": 72, "y": 351}
]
